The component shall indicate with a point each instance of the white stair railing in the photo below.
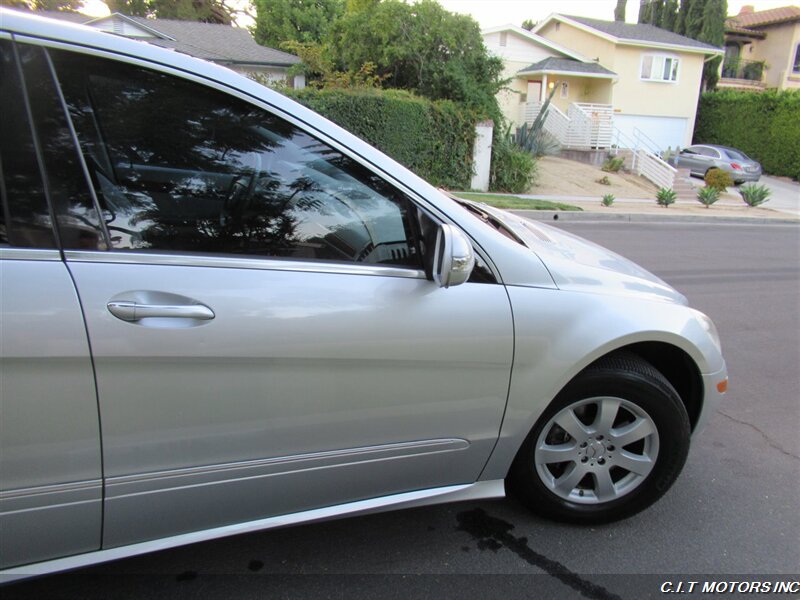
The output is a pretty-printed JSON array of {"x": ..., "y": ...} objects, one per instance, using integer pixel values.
[
  {"x": 601, "y": 117},
  {"x": 653, "y": 168},
  {"x": 589, "y": 125},
  {"x": 556, "y": 123}
]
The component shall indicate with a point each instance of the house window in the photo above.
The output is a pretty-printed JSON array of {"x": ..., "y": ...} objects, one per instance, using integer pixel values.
[
  {"x": 796, "y": 67},
  {"x": 564, "y": 89},
  {"x": 659, "y": 67},
  {"x": 503, "y": 38},
  {"x": 523, "y": 98}
]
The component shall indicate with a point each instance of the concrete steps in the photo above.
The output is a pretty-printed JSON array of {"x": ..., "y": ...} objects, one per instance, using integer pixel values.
[{"x": 683, "y": 186}]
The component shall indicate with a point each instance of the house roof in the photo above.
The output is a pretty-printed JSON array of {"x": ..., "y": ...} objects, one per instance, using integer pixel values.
[
  {"x": 732, "y": 27},
  {"x": 566, "y": 65},
  {"x": 62, "y": 15},
  {"x": 210, "y": 41},
  {"x": 536, "y": 39},
  {"x": 639, "y": 34},
  {"x": 765, "y": 18}
]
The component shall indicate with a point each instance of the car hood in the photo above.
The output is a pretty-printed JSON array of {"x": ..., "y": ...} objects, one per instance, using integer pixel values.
[{"x": 580, "y": 265}]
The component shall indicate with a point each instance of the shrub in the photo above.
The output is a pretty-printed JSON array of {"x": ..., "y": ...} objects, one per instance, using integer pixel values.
[
  {"x": 604, "y": 180},
  {"x": 765, "y": 126},
  {"x": 708, "y": 195},
  {"x": 665, "y": 197},
  {"x": 608, "y": 200},
  {"x": 433, "y": 139},
  {"x": 718, "y": 179},
  {"x": 613, "y": 164},
  {"x": 513, "y": 169},
  {"x": 754, "y": 194}
]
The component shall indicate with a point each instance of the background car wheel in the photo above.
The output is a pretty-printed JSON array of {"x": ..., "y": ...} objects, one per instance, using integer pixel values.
[{"x": 611, "y": 443}]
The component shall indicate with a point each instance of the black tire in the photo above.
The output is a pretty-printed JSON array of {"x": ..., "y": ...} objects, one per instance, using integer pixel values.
[{"x": 645, "y": 401}]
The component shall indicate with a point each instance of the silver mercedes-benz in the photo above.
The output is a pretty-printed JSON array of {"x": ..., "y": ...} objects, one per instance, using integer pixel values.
[{"x": 223, "y": 313}]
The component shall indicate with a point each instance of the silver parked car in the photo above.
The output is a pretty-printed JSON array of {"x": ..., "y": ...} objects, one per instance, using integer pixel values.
[
  {"x": 223, "y": 313},
  {"x": 701, "y": 158}
]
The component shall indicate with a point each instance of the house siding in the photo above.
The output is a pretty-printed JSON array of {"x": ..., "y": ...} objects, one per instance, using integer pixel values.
[
  {"x": 589, "y": 45},
  {"x": 631, "y": 96},
  {"x": 777, "y": 51},
  {"x": 517, "y": 54}
]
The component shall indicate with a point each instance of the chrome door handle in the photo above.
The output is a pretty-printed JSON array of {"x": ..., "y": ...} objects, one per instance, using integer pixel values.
[{"x": 133, "y": 311}]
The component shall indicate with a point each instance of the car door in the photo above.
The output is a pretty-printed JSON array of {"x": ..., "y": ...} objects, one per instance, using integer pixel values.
[
  {"x": 50, "y": 468},
  {"x": 264, "y": 335},
  {"x": 690, "y": 158},
  {"x": 704, "y": 159}
]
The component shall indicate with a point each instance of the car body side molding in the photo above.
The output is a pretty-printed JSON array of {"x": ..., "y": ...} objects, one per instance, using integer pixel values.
[{"x": 480, "y": 490}]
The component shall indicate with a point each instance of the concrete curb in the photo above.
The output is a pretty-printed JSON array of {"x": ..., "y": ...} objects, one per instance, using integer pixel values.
[{"x": 574, "y": 215}]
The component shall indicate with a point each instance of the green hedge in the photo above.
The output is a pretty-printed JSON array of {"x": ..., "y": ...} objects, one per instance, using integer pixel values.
[
  {"x": 766, "y": 126},
  {"x": 433, "y": 139}
]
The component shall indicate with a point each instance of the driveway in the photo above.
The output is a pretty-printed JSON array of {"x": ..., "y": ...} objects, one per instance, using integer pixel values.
[{"x": 785, "y": 194}]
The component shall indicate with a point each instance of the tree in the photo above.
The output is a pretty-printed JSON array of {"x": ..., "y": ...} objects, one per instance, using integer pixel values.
[
  {"x": 713, "y": 32},
  {"x": 669, "y": 15},
  {"x": 132, "y": 8},
  {"x": 619, "y": 10},
  {"x": 305, "y": 21},
  {"x": 420, "y": 47},
  {"x": 693, "y": 22},
  {"x": 66, "y": 5},
  {"x": 207, "y": 11},
  {"x": 645, "y": 11},
  {"x": 529, "y": 24},
  {"x": 680, "y": 20}
]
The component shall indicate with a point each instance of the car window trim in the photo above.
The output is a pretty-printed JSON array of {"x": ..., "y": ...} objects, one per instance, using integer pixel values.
[
  {"x": 17, "y": 253},
  {"x": 246, "y": 97},
  {"x": 77, "y": 148},
  {"x": 436, "y": 213},
  {"x": 37, "y": 146},
  {"x": 175, "y": 259}
]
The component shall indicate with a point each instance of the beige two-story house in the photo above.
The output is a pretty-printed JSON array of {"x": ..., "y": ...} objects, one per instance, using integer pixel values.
[
  {"x": 762, "y": 49},
  {"x": 630, "y": 83}
]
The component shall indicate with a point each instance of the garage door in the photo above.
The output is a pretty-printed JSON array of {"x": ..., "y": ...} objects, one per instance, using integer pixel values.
[{"x": 665, "y": 132}]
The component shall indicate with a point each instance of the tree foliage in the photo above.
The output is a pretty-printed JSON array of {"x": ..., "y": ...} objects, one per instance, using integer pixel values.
[
  {"x": 206, "y": 11},
  {"x": 433, "y": 139},
  {"x": 67, "y": 5},
  {"x": 304, "y": 21},
  {"x": 713, "y": 32},
  {"x": 669, "y": 15},
  {"x": 765, "y": 126},
  {"x": 420, "y": 47},
  {"x": 619, "y": 10}
]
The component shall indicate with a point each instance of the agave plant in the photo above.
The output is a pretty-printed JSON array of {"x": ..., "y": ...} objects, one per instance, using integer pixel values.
[
  {"x": 608, "y": 200},
  {"x": 666, "y": 196},
  {"x": 708, "y": 195},
  {"x": 532, "y": 138},
  {"x": 754, "y": 194}
]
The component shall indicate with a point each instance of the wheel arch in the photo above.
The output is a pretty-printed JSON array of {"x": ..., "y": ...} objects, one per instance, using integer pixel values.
[
  {"x": 676, "y": 366},
  {"x": 675, "y": 363}
]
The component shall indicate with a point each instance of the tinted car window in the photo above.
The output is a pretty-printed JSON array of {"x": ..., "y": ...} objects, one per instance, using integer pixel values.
[
  {"x": 178, "y": 166},
  {"x": 77, "y": 217},
  {"x": 705, "y": 151},
  {"x": 25, "y": 218}
]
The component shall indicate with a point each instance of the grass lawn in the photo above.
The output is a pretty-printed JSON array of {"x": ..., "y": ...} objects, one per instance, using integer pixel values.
[{"x": 504, "y": 201}]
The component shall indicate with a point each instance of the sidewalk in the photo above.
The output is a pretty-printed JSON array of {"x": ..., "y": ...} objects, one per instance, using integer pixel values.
[{"x": 646, "y": 209}]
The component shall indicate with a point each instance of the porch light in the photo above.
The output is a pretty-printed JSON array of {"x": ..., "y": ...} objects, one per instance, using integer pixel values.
[{"x": 551, "y": 85}]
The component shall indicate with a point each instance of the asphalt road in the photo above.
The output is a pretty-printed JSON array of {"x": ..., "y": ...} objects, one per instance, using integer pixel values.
[{"x": 733, "y": 512}]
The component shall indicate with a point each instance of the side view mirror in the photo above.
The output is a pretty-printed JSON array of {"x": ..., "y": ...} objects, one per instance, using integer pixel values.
[{"x": 454, "y": 257}]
